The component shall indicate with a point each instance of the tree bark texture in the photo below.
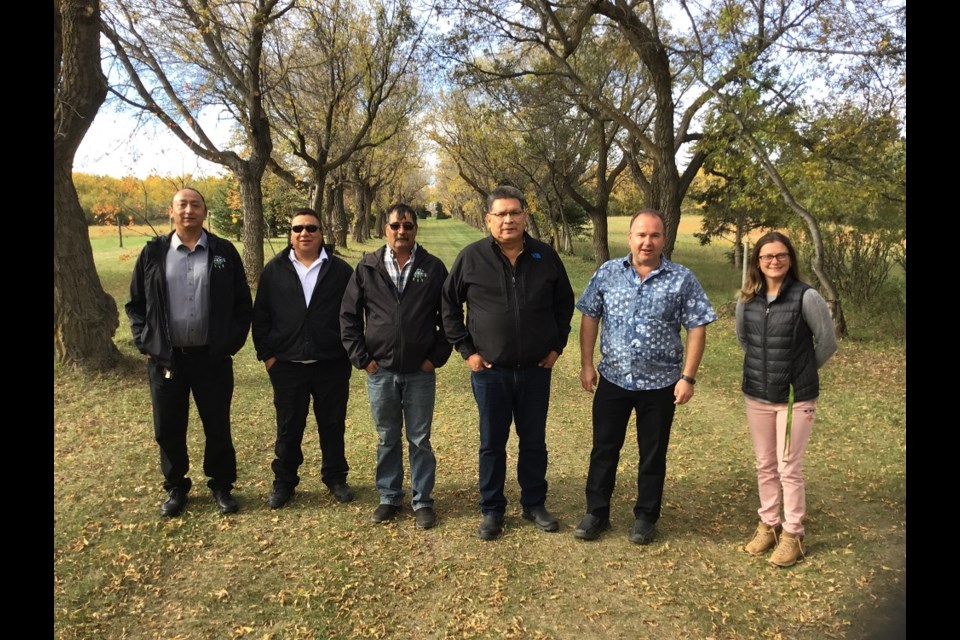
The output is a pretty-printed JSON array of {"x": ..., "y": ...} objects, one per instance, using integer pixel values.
[
  {"x": 85, "y": 317},
  {"x": 251, "y": 194}
]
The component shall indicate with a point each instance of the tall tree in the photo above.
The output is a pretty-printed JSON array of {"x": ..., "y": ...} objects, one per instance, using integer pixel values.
[
  {"x": 84, "y": 315},
  {"x": 180, "y": 56},
  {"x": 344, "y": 81}
]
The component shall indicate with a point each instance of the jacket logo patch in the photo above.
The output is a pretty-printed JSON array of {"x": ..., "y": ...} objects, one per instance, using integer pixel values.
[
  {"x": 219, "y": 262},
  {"x": 535, "y": 255},
  {"x": 419, "y": 275}
]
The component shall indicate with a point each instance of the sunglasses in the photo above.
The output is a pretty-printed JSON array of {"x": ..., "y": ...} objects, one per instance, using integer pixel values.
[
  {"x": 407, "y": 226},
  {"x": 310, "y": 228}
]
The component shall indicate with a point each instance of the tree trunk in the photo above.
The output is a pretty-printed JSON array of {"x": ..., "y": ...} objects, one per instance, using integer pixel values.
[
  {"x": 340, "y": 222},
  {"x": 85, "y": 317},
  {"x": 738, "y": 245},
  {"x": 251, "y": 193},
  {"x": 533, "y": 229},
  {"x": 601, "y": 249},
  {"x": 665, "y": 192},
  {"x": 567, "y": 237}
]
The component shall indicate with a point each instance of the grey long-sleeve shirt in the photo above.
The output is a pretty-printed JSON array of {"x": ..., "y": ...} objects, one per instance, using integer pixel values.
[{"x": 816, "y": 313}]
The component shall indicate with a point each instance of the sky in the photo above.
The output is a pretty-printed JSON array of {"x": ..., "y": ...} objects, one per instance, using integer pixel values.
[{"x": 116, "y": 146}]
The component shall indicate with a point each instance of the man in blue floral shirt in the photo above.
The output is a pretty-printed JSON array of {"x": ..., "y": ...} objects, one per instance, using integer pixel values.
[{"x": 643, "y": 299}]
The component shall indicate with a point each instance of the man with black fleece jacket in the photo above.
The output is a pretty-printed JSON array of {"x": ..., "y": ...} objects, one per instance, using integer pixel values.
[
  {"x": 296, "y": 332},
  {"x": 519, "y": 305},
  {"x": 390, "y": 325}
]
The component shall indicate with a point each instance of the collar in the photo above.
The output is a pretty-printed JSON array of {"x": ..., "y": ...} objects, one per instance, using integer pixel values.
[
  {"x": 391, "y": 256},
  {"x": 526, "y": 237},
  {"x": 665, "y": 264},
  {"x": 175, "y": 240},
  {"x": 292, "y": 255}
]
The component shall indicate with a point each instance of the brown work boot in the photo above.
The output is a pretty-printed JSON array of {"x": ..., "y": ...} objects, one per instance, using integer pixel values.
[
  {"x": 789, "y": 551},
  {"x": 765, "y": 538}
]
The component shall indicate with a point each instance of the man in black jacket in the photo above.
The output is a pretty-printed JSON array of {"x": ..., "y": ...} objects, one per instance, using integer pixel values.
[
  {"x": 296, "y": 331},
  {"x": 189, "y": 313},
  {"x": 395, "y": 292},
  {"x": 519, "y": 305}
]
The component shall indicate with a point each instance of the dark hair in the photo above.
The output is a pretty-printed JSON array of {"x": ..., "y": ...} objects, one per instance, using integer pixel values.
[
  {"x": 403, "y": 211},
  {"x": 306, "y": 212},
  {"x": 755, "y": 282},
  {"x": 196, "y": 191},
  {"x": 649, "y": 212},
  {"x": 504, "y": 192}
]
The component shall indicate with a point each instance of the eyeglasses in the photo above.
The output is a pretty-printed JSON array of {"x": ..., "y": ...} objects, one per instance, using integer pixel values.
[
  {"x": 770, "y": 257},
  {"x": 309, "y": 228},
  {"x": 407, "y": 226},
  {"x": 503, "y": 214}
]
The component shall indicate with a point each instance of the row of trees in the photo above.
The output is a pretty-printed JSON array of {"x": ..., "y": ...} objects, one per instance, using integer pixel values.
[
  {"x": 792, "y": 110},
  {"x": 591, "y": 107}
]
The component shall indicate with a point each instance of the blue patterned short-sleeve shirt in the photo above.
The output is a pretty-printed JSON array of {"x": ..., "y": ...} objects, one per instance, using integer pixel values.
[{"x": 640, "y": 346}]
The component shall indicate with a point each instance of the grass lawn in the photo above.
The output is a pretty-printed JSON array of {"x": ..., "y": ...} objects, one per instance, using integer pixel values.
[{"x": 319, "y": 569}]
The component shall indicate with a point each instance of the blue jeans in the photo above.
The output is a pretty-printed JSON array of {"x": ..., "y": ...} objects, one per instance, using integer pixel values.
[
  {"x": 521, "y": 396},
  {"x": 397, "y": 399}
]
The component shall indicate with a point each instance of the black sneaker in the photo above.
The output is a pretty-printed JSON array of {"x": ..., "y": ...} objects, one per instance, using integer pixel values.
[
  {"x": 426, "y": 517},
  {"x": 385, "y": 513},
  {"x": 643, "y": 532},
  {"x": 491, "y": 527},
  {"x": 342, "y": 492},
  {"x": 591, "y": 527},
  {"x": 542, "y": 518}
]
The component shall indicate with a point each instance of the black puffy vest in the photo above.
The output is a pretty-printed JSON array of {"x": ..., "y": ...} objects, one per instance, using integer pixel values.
[{"x": 779, "y": 347}]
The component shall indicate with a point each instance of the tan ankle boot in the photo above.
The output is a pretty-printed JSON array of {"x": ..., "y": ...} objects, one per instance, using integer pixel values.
[
  {"x": 764, "y": 539},
  {"x": 789, "y": 551}
]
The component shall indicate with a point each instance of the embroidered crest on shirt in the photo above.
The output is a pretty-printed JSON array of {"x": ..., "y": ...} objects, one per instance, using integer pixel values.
[
  {"x": 219, "y": 262},
  {"x": 419, "y": 275}
]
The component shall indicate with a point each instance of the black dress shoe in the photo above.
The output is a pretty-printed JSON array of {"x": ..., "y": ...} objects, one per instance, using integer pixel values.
[
  {"x": 174, "y": 504},
  {"x": 426, "y": 517},
  {"x": 591, "y": 527},
  {"x": 385, "y": 513},
  {"x": 542, "y": 518},
  {"x": 491, "y": 527},
  {"x": 225, "y": 502},
  {"x": 279, "y": 497},
  {"x": 342, "y": 492},
  {"x": 643, "y": 532}
]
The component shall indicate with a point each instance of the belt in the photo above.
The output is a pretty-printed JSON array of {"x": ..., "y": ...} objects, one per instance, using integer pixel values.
[{"x": 189, "y": 350}]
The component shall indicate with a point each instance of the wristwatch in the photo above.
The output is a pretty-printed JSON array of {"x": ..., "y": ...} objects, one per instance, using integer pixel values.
[{"x": 687, "y": 378}]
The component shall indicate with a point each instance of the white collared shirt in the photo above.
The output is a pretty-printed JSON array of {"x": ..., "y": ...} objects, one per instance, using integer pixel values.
[{"x": 308, "y": 275}]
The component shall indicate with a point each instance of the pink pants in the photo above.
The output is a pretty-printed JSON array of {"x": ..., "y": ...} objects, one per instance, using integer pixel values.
[{"x": 768, "y": 425}]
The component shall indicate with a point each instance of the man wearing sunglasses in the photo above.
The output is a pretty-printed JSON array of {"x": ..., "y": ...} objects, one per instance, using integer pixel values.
[
  {"x": 390, "y": 325},
  {"x": 519, "y": 305},
  {"x": 296, "y": 332}
]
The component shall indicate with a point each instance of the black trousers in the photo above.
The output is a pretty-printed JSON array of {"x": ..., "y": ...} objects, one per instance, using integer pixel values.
[
  {"x": 328, "y": 383},
  {"x": 211, "y": 382},
  {"x": 612, "y": 406}
]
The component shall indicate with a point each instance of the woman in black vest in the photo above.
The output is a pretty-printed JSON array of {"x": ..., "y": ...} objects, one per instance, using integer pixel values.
[{"x": 786, "y": 332}]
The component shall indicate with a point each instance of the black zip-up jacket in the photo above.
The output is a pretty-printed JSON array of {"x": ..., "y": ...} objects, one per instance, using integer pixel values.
[
  {"x": 398, "y": 331},
  {"x": 779, "y": 347},
  {"x": 149, "y": 311},
  {"x": 516, "y": 314},
  {"x": 284, "y": 327}
]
